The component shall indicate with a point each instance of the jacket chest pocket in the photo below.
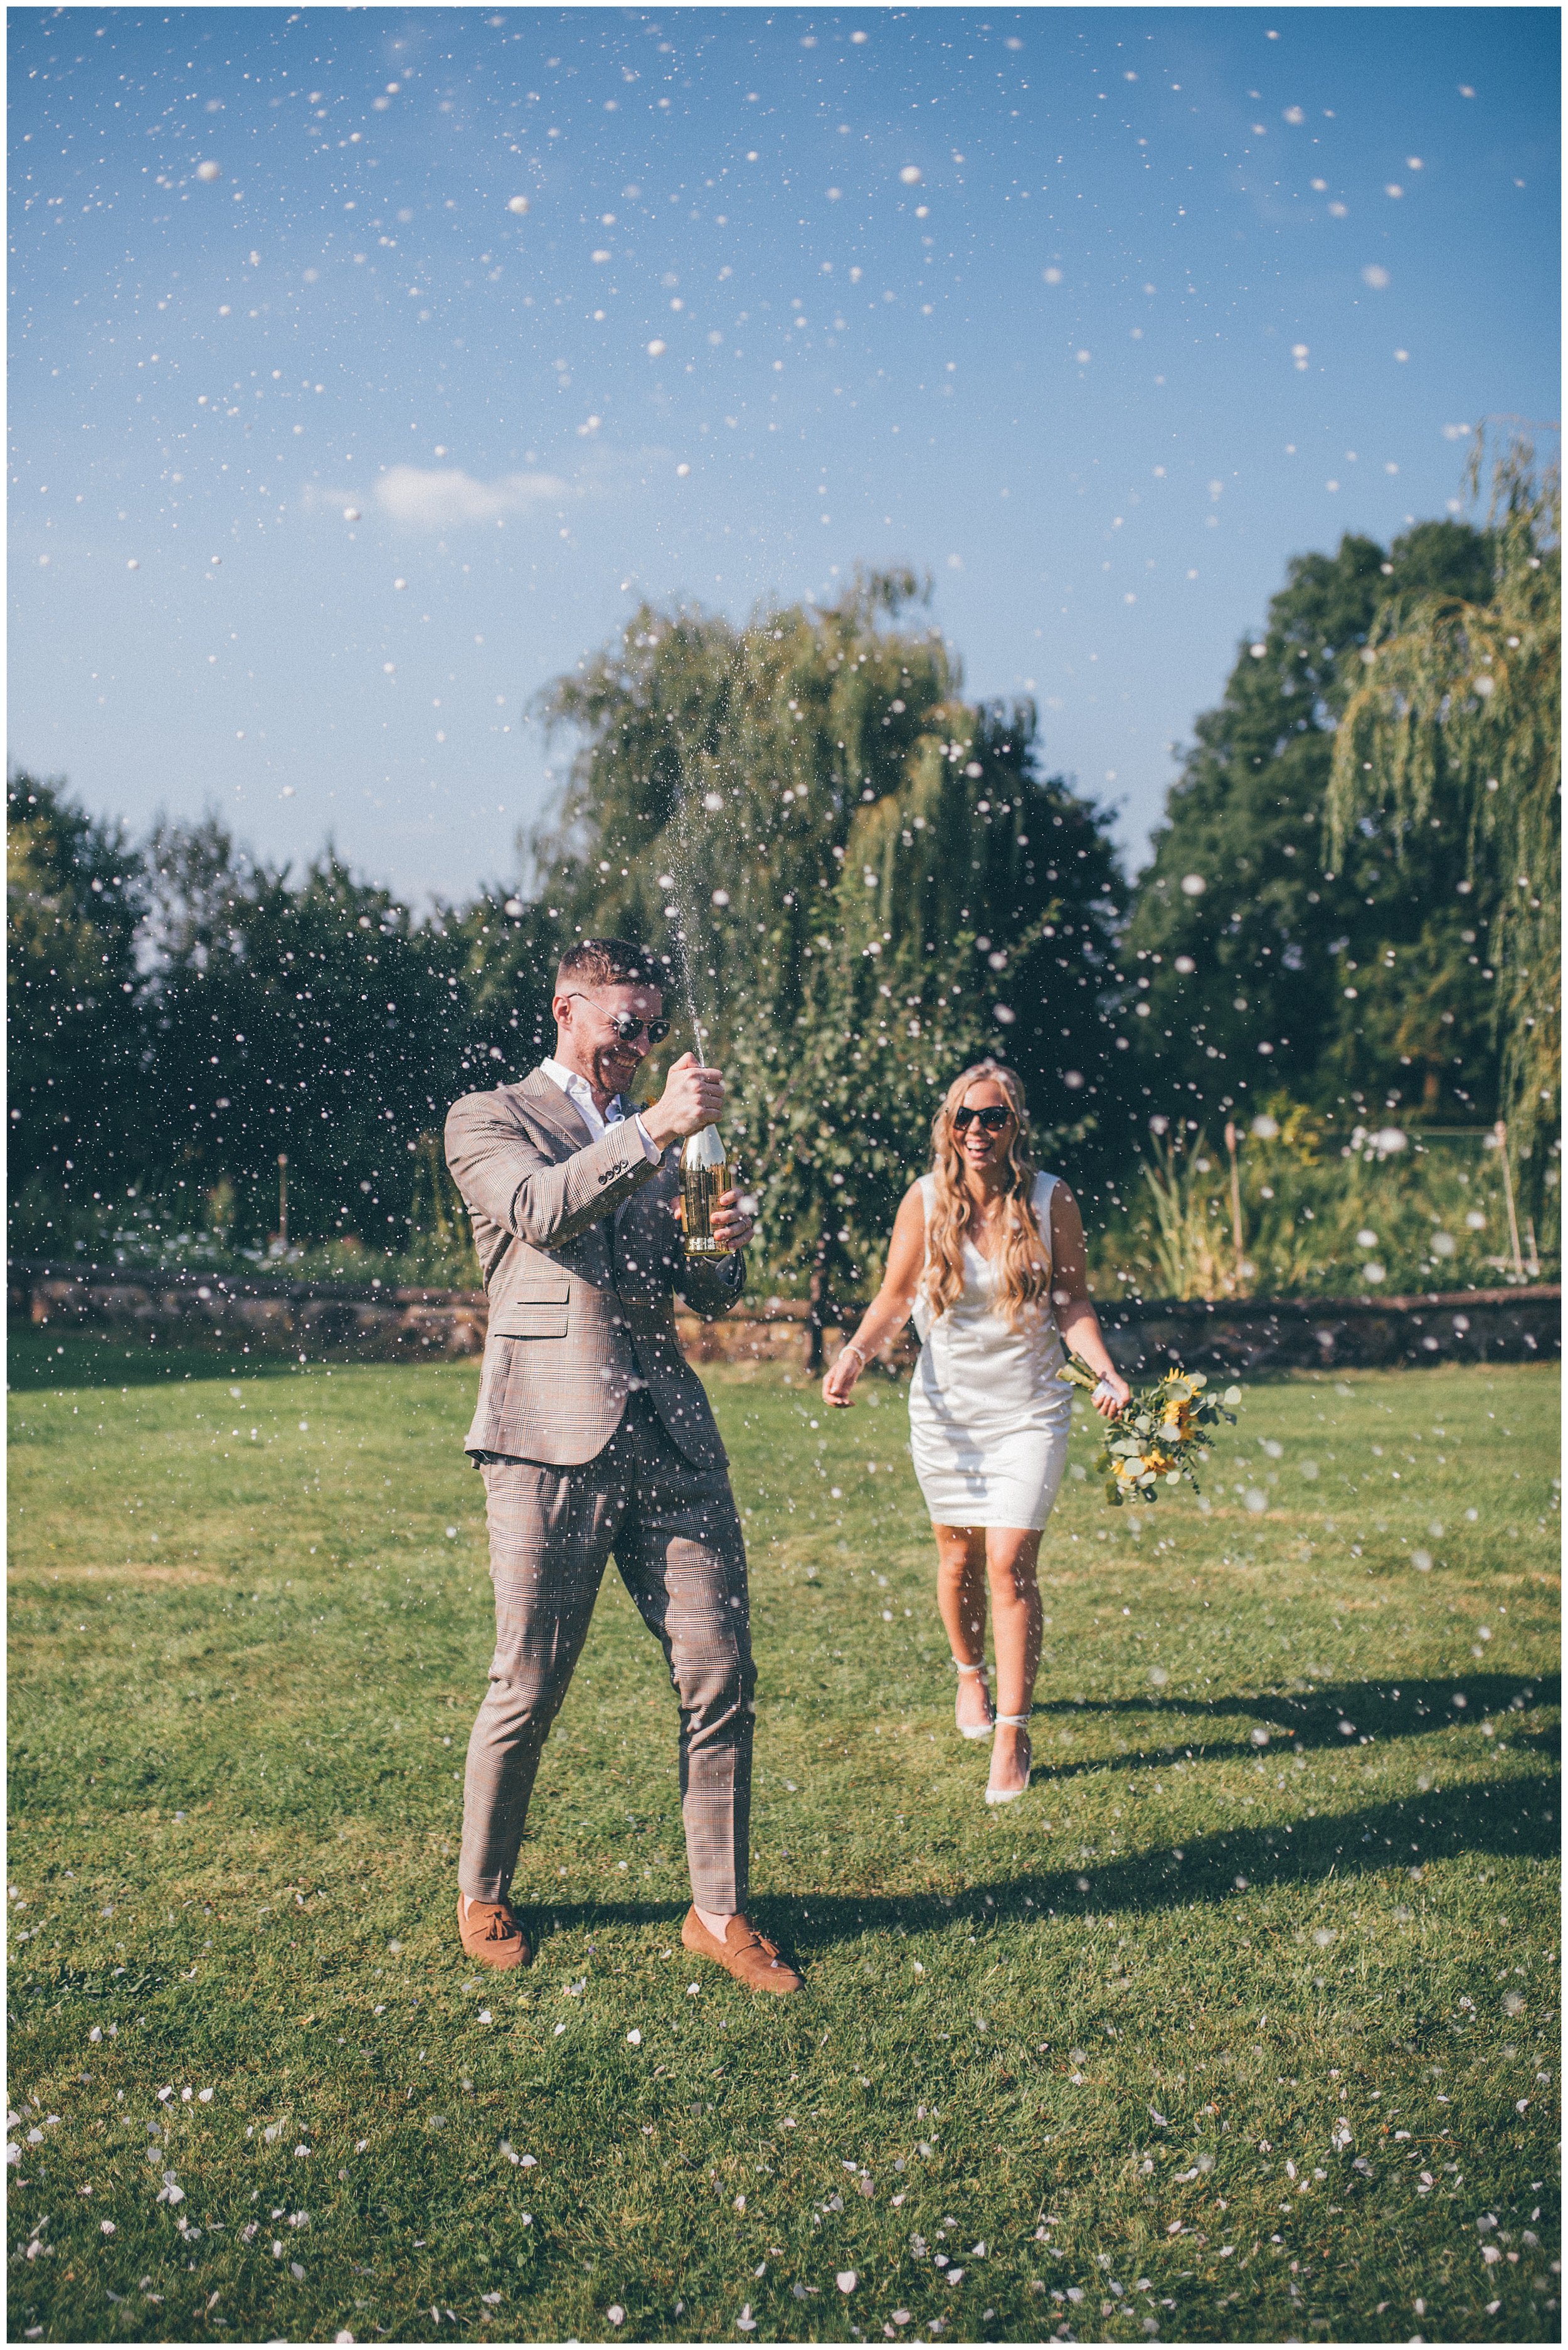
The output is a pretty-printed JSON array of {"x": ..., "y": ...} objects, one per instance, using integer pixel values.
[{"x": 536, "y": 1310}]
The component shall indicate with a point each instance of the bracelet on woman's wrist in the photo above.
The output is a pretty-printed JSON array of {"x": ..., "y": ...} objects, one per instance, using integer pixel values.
[{"x": 851, "y": 1348}]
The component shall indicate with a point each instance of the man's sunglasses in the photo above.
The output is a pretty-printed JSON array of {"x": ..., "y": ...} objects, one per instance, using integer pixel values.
[
  {"x": 992, "y": 1121},
  {"x": 626, "y": 1025}
]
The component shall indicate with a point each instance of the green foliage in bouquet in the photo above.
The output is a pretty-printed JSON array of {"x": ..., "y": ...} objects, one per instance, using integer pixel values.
[{"x": 1159, "y": 1436}]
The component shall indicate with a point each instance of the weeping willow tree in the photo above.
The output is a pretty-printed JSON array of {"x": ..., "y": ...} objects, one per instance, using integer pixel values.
[
  {"x": 864, "y": 874},
  {"x": 1462, "y": 699}
]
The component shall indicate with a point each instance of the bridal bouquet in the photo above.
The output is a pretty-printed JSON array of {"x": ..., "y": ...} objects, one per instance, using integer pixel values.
[{"x": 1159, "y": 1436}]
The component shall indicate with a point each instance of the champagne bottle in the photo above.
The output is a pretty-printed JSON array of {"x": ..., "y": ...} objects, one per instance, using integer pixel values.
[{"x": 704, "y": 1177}]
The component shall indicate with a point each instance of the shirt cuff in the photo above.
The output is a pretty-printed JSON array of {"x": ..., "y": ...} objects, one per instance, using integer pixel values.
[{"x": 650, "y": 1150}]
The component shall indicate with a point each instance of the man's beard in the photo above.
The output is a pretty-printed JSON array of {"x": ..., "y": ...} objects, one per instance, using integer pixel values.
[{"x": 611, "y": 1072}]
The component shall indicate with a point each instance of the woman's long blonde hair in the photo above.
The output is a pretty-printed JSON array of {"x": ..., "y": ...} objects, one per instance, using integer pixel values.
[{"x": 1024, "y": 1269}]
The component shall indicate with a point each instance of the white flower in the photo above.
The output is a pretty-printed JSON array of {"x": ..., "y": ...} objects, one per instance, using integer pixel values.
[
  {"x": 634, "y": 2037},
  {"x": 846, "y": 2279},
  {"x": 615, "y": 2313}
]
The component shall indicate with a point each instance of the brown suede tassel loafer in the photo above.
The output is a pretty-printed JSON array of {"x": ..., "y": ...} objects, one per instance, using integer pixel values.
[
  {"x": 745, "y": 1954},
  {"x": 491, "y": 1936}
]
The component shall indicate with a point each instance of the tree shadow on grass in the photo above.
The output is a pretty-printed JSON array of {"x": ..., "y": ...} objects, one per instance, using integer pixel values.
[
  {"x": 1348, "y": 1714},
  {"x": 1508, "y": 1819},
  {"x": 122, "y": 1359}
]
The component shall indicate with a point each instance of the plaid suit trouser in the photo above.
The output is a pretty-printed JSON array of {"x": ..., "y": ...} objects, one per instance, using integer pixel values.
[{"x": 676, "y": 1541}]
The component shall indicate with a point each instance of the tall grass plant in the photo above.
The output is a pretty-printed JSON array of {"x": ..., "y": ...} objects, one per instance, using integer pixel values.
[{"x": 1323, "y": 1213}]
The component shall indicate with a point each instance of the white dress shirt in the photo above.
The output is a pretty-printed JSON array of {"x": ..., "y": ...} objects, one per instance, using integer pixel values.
[{"x": 579, "y": 1093}]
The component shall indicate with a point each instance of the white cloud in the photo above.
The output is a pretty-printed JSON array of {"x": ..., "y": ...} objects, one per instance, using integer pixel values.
[{"x": 445, "y": 497}]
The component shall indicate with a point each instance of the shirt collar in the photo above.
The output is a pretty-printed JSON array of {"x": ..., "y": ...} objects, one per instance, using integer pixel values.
[{"x": 578, "y": 1091}]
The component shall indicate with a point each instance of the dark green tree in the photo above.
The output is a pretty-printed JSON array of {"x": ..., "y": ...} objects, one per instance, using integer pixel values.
[
  {"x": 1258, "y": 955},
  {"x": 315, "y": 1019},
  {"x": 73, "y": 899}
]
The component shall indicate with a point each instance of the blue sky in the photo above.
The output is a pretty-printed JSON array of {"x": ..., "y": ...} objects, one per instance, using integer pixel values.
[{"x": 1096, "y": 315}]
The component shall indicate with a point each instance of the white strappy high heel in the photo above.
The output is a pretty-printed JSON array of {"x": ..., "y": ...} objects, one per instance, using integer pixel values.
[
  {"x": 985, "y": 1730},
  {"x": 1011, "y": 1794}
]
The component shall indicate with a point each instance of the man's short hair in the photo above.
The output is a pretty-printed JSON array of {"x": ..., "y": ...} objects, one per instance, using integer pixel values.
[{"x": 608, "y": 962}]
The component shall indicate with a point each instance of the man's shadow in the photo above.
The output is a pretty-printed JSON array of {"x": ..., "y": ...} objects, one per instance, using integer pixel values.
[{"x": 1508, "y": 1819}]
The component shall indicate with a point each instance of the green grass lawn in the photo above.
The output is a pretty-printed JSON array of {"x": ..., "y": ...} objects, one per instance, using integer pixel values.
[{"x": 1242, "y": 2025}]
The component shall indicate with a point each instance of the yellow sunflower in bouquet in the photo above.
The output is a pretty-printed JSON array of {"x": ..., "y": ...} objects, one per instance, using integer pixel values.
[{"x": 1161, "y": 1436}]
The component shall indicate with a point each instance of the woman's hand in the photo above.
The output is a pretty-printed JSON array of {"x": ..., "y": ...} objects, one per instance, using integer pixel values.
[
  {"x": 1110, "y": 1397},
  {"x": 838, "y": 1385}
]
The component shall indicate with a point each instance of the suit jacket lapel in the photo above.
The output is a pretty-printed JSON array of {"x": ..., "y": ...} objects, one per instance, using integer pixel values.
[{"x": 549, "y": 1105}]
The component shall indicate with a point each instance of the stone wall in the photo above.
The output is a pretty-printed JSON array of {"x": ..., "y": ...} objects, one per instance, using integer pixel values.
[
  {"x": 1249, "y": 1334},
  {"x": 1493, "y": 1326},
  {"x": 314, "y": 1317}
]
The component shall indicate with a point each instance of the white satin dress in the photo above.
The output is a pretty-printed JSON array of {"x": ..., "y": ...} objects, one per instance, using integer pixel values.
[{"x": 989, "y": 1418}]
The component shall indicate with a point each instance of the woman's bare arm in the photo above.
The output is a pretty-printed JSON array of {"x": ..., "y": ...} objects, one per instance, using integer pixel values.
[
  {"x": 1076, "y": 1317},
  {"x": 893, "y": 1303}
]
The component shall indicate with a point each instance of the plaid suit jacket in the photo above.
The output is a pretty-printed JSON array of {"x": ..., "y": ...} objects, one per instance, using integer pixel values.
[{"x": 582, "y": 1252}]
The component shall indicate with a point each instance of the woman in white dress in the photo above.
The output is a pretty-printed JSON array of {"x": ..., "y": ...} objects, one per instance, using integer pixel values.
[{"x": 988, "y": 1255}]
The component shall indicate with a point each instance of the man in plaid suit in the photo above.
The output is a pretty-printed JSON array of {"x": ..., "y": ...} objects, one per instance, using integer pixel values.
[{"x": 592, "y": 1434}]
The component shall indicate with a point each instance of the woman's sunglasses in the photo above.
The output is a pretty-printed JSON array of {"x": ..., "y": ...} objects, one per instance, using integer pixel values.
[
  {"x": 628, "y": 1026},
  {"x": 992, "y": 1121}
]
